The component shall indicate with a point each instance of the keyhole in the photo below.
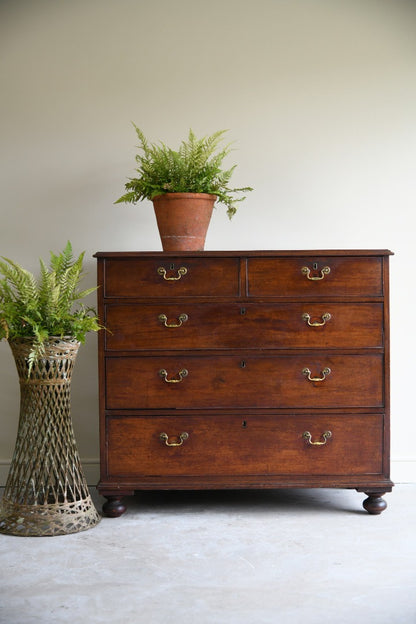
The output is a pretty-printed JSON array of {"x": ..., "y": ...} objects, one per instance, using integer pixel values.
[
  {"x": 243, "y": 364},
  {"x": 172, "y": 266},
  {"x": 315, "y": 266},
  {"x": 244, "y": 424}
]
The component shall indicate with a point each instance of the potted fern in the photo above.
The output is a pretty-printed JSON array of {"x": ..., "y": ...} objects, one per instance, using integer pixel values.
[
  {"x": 44, "y": 323},
  {"x": 183, "y": 185}
]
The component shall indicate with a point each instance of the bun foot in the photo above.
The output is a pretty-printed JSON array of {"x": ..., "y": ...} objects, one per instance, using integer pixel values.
[
  {"x": 113, "y": 508},
  {"x": 375, "y": 504}
]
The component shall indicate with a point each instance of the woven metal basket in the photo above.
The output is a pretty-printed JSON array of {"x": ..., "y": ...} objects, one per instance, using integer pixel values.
[{"x": 46, "y": 492}]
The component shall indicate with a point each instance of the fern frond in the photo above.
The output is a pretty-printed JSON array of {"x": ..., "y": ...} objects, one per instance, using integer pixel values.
[
  {"x": 61, "y": 263},
  {"x": 47, "y": 286},
  {"x": 21, "y": 282},
  {"x": 4, "y": 328},
  {"x": 143, "y": 141},
  {"x": 85, "y": 293}
]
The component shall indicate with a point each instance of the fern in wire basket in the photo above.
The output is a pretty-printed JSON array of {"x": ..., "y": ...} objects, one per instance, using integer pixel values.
[{"x": 35, "y": 309}]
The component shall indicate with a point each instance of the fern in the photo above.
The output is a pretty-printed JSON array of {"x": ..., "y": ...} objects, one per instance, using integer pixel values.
[
  {"x": 49, "y": 306},
  {"x": 196, "y": 167}
]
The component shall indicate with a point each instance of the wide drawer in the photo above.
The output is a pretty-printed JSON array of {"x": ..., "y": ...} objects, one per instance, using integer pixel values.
[
  {"x": 328, "y": 276},
  {"x": 186, "y": 382},
  {"x": 168, "y": 326},
  {"x": 258, "y": 445},
  {"x": 171, "y": 277}
]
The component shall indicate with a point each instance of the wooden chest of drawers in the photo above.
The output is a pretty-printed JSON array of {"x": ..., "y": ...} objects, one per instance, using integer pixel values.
[{"x": 257, "y": 369}]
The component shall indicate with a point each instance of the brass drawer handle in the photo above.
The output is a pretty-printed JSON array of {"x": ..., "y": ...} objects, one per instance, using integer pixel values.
[
  {"x": 182, "y": 318},
  {"x": 306, "y": 271},
  {"x": 324, "y": 373},
  {"x": 164, "y": 374},
  {"x": 182, "y": 437},
  {"x": 181, "y": 271},
  {"x": 326, "y": 435},
  {"x": 325, "y": 317}
]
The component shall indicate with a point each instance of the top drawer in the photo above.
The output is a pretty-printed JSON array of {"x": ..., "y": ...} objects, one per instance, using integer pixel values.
[
  {"x": 171, "y": 277},
  {"x": 329, "y": 276}
]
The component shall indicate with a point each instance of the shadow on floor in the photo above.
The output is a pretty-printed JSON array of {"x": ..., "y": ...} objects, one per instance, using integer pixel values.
[{"x": 264, "y": 501}]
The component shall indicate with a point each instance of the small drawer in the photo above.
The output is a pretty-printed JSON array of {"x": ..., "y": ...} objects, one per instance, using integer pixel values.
[
  {"x": 171, "y": 277},
  {"x": 168, "y": 326},
  {"x": 331, "y": 276},
  {"x": 309, "y": 380},
  {"x": 232, "y": 445}
]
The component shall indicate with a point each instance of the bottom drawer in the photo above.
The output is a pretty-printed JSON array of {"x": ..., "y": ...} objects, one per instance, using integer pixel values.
[{"x": 236, "y": 445}]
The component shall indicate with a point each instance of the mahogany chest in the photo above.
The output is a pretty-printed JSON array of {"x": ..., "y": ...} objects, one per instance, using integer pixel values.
[{"x": 255, "y": 369}]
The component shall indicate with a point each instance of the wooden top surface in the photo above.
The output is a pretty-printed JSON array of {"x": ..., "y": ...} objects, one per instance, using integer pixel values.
[{"x": 257, "y": 253}]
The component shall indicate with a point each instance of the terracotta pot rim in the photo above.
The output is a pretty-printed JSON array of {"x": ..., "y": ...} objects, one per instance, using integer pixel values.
[{"x": 185, "y": 195}]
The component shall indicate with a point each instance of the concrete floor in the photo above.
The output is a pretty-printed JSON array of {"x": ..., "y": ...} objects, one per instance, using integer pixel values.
[{"x": 256, "y": 557}]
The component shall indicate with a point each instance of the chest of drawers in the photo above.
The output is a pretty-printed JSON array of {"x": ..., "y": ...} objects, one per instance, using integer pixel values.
[{"x": 257, "y": 369}]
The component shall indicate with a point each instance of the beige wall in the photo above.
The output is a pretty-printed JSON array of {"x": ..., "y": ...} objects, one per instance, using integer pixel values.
[{"x": 319, "y": 95}]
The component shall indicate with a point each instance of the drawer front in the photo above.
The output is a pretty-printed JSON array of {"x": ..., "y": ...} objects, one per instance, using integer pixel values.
[
  {"x": 251, "y": 326},
  {"x": 185, "y": 382},
  {"x": 257, "y": 445},
  {"x": 171, "y": 277},
  {"x": 288, "y": 277}
]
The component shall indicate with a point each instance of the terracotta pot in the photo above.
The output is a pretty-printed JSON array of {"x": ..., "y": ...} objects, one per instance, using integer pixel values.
[{"x": 183, "y": 219}]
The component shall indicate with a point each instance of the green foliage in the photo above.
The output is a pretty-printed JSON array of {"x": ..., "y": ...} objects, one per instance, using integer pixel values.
[
  {"x": 196, "y": 167},
  {"x": 36, "y": 309}
]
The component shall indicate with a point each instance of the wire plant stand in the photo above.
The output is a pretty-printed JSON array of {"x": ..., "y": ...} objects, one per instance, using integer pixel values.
[{"x": 46, "y": 492}]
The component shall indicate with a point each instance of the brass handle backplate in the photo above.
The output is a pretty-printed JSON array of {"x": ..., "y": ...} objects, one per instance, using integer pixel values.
[
  {"x": 324, "y": 318},
  {"x": 164, "y": 374},
  {"x": 182, "y": 437},
  {"x": 181, "y": 271},
  {"x": 308, "y": 436},
  {"x": 314, "y": 278},
  {"x": 307, "y": 372},
  {"x": 182, "y": 318}
]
